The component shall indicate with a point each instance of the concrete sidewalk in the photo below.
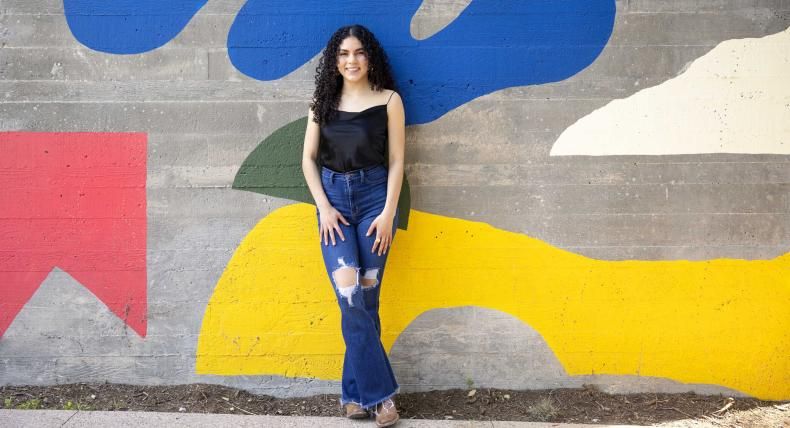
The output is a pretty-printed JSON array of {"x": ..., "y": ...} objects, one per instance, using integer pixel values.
[{"x": 71, "y": 418}]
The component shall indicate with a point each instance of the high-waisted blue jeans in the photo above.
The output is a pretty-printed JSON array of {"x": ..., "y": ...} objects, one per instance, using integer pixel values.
[{"x": 360, "y": 196}]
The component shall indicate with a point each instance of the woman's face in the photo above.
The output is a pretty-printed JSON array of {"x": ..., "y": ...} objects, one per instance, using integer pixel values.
[{"x": 352, "y": 60}]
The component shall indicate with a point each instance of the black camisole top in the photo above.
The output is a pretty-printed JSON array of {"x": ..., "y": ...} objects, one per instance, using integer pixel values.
[{"x": 354, "y": 140}]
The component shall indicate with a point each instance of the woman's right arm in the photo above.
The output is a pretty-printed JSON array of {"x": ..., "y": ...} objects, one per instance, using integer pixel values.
[
  {"x": 329, "y": 216},
  {"x": 310, "y": 165}
]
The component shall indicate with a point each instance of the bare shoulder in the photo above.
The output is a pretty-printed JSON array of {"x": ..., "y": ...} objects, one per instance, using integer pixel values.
[
  {"x": 395, "y": 111},
  {"x": 394, "y": 100},
  {"x": 392, "y": 95}
]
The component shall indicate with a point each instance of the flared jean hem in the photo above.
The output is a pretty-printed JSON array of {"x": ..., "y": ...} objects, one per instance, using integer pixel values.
[{"x": 372, "y": 404}]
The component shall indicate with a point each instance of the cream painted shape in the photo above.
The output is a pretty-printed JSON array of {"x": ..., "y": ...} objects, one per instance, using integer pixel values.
[{"x": 734, "y": 99}]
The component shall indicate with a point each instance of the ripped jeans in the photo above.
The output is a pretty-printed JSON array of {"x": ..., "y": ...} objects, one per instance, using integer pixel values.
[{"x": 360, "y": 196}]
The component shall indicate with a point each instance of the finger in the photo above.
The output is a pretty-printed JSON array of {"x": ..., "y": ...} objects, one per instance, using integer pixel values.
[
  {"x": 370, "y": 229},
  {"x": 344, "y": 220},
  {"x": 340, "y": 232},
  {"x": 332, "y": 235},
  {"x": 376, "y": 243},
  {"x": 383, "y": 243},
  {"x": 323, "y": 232}
]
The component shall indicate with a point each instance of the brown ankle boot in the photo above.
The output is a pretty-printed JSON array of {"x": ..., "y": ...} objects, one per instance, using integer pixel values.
[
  {"x": 355, "y": 411},
  {"x": 386, "y": 414}
]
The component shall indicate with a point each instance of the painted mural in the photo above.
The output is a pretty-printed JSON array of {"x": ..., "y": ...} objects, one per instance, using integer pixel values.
[
  {"x": 734, "y": 99},
  {"x": 272, "y": 311},
  {"x": 269, "y": 39},
  {"x": 267, "y": 317},
  {"x": 74, "y": 201},
  {"x": 662, "y": 318}
]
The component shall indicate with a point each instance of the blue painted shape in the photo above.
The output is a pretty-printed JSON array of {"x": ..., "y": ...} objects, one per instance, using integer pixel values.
[
  {"x": 491, "y": 45},
  {"x": 128, "y": 26}
]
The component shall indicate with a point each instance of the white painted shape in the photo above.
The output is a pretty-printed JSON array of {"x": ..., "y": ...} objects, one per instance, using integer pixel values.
[{"x": 734, "y": 99}]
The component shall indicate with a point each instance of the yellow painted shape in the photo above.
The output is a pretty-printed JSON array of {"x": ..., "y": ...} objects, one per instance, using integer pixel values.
[{"x": 724, "y": 321}]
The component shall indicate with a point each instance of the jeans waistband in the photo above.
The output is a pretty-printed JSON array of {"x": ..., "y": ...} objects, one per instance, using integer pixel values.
[{"x": 349, "y": 175}]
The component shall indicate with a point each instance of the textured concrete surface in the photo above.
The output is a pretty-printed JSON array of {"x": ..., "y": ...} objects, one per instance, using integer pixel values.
[
  {"x": 487, "y": 160},
  {"x": 495, "y": 350}
]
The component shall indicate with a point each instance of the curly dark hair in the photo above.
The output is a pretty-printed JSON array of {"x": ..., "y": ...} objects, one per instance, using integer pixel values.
[{"x": 329, "y": 82}]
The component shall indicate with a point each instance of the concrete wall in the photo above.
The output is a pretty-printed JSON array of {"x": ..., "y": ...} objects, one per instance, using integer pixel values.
[{"x": 597, "y": 193}]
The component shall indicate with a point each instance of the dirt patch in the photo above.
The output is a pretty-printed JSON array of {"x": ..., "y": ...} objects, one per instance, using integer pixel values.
[{"x": 572, "y": 405}]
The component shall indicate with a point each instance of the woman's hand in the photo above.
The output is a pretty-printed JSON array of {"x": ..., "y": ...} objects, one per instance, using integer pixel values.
[
  {"x": 329, "y": 217},
  {"x": 383, "y": 226}
]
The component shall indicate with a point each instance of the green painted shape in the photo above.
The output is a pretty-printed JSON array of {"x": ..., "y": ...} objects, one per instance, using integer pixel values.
[{"x": 274, "y": 168}]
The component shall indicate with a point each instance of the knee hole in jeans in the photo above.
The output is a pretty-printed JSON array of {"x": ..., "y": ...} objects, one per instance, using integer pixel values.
[
  {"x": 370, "y": 278},
  {"x": 346, "y": 279}
]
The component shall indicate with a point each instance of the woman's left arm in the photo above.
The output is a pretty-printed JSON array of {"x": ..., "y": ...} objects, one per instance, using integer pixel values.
[{"x": 396, "y": 136}]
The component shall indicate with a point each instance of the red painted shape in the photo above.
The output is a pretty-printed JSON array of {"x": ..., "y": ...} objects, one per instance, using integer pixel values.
[{"x": 75, "y": 201}]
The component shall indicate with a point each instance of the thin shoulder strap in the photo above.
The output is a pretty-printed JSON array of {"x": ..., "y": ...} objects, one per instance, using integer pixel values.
[{"x": 388, "y": 99}]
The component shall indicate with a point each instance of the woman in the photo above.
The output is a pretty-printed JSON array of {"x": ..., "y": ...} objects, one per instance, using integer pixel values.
[{"x": 356, "y": 133}]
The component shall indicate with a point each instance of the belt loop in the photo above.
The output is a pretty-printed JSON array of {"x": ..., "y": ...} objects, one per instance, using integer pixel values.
[
  {"x": 331, "y": 176},
  {"x": 362, "y": 175}
]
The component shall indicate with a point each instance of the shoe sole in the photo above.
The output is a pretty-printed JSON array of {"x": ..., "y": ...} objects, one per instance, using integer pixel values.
[
  {"x": 388, "y": 424},
  {"x": 361, "y": 415}
]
